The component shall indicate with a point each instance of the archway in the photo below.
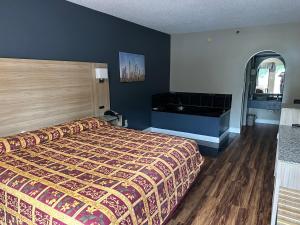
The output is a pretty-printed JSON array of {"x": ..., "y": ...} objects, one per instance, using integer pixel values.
[{"x": 263, "y": 91}]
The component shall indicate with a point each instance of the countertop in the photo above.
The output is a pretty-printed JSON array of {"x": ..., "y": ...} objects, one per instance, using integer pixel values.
[
  {"x": 291, "y": 106},
  {"x": 289, "y": 144}
]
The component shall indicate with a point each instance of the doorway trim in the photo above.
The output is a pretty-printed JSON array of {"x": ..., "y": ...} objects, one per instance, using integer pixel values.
[{"x": 245, "y": 80}]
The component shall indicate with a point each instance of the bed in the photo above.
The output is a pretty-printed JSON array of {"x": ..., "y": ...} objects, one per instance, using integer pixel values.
[{"x": 89, "y": 172}]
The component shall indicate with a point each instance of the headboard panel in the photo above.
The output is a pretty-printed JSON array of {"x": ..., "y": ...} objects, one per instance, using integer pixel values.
[{"x": 40, "y": 93}]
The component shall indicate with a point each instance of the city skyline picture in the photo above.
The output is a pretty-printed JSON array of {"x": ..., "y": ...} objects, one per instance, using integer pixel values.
[{"x": 132, "y": 67}]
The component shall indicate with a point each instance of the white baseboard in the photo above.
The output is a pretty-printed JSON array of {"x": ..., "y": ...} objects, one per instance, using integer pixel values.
[
  {"x": 148, "y": 129},
  {"x": 267, "y": 121},
  {"x": 234, "y": 130},
  {"x": 188, "y": 135}
]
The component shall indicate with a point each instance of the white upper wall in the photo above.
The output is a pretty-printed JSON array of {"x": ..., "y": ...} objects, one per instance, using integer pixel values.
[
  {"x": 215, "y": 62},
  {"x": 182, "y": 16}
]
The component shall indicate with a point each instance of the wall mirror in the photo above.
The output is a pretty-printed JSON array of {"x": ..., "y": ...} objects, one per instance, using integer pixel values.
[
  {"x": 266, "y": 76},
  {"x": 270, "y": 76}
]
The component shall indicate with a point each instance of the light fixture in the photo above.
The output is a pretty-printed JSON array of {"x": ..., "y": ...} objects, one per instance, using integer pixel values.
[{"x": 101, "y": 74}]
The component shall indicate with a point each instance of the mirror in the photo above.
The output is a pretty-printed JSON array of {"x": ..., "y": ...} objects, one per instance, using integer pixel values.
[
  {"x": 265, "y": 76},
  {"x": 270, "y": 76}
]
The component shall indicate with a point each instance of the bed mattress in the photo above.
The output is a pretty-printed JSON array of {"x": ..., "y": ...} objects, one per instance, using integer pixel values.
[{"x": 89, "y": 172}]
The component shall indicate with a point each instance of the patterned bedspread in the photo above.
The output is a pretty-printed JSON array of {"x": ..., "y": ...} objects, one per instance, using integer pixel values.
[{"x": 88, "y": 172}]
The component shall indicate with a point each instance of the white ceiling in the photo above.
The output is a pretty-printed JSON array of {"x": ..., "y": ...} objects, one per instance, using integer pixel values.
[{"x": 183, "y": 16}]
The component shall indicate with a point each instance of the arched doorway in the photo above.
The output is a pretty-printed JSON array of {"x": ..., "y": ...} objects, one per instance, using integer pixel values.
[{"x": 264, "y": 85}]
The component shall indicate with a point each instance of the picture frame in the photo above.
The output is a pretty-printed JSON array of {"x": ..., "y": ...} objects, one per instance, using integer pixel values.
[{"x": 132, "y": 67}]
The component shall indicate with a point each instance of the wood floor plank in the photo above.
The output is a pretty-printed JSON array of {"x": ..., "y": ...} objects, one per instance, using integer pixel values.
[
  {"x": 242, "y": 217},
  {"x": 195, "y": 203},
  {"x": 204, "y": 215},
  {"x": 232, "y": 217},
  {"x": 236, "y": 187}
]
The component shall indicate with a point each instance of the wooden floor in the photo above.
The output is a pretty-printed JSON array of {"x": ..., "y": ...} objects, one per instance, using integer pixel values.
[{"x": 235, "y": 187}]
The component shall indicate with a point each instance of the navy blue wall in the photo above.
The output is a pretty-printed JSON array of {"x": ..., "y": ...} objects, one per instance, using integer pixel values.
[{"x": 59, "y": 30}]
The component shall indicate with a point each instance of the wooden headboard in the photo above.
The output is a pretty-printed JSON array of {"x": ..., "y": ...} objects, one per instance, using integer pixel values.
[{"x": 40, "y": 93}]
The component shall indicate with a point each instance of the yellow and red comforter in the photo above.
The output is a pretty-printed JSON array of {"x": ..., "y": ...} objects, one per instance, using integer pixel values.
[{"x": 88, "y": 172}]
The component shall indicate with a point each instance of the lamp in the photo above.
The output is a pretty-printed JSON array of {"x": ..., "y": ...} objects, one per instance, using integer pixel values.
[{"x": 101, "y": 74}]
